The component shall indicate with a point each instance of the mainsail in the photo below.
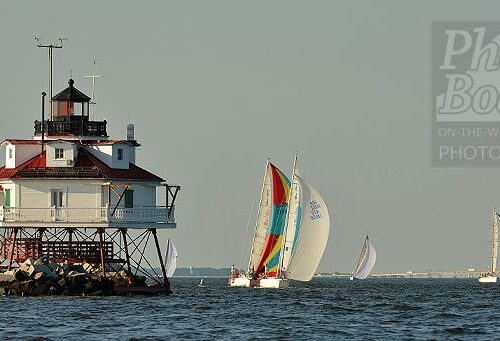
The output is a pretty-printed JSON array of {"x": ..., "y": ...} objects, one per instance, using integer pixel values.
[
  {"x": 262, "y": 221},
  {"x": 271, "y": 221},
  {"x": 494, "y": 249},
  {"x": 312, "y": 236},
  {"x": 366, "y": 260},
  {"x": 170, "y": 259}
]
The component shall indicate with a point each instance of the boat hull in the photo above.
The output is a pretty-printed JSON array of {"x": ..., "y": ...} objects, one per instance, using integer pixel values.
[
  {"x": 245, "y": 282},
  {"x": 276, "y": 283},
  {"x": 488, "y": 279}
]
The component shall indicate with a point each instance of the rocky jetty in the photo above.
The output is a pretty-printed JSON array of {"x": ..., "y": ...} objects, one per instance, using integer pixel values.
[{"x": 45, "y": 277}]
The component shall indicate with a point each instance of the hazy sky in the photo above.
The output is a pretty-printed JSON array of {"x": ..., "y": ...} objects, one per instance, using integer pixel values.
[{"x": 216, "y": 87}]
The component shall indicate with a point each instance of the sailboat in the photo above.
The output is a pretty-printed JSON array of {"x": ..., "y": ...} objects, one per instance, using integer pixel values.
[
  {"x": 491, "y": 277},
  {"x": 291, "y": 233},
  {"x": 170, "y": 259},
  {"x": 366, "y": 261}
]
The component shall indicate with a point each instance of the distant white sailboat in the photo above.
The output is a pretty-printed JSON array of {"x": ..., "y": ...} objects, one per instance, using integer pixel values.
[
  {"x": 170, "y": 259},
  {"x": 491, "y": 277},
  {"x": 366, "y": 261}
]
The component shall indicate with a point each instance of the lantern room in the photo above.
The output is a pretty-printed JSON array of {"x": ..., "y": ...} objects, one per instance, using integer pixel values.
[
  {"x": 69, "y": 103},
  {"x": 69, "y": 117}
]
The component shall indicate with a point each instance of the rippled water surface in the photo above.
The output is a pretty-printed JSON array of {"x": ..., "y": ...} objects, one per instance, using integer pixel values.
[{"x": 325, "y": 308}]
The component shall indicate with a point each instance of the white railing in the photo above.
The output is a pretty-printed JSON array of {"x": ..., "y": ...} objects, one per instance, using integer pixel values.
[{"x": 157, "y": 214}]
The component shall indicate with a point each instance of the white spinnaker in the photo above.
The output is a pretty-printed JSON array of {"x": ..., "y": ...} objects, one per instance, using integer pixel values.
[
  {"x": 313, "y": 234},
  {"x": 170, "y": 259},
  {"x": 262, "y": 221},
  {"x": 368, "y": 261},
  {"x": 494, "y": 250}
]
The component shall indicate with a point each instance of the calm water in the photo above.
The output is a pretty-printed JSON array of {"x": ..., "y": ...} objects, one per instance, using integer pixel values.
[{"x": 322, "y": 309}]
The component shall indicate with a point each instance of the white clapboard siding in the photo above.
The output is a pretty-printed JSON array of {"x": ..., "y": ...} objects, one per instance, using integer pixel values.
[
  {"x": 37, "y": 195},
  {"x": 83, "y": 195},
  {"x": 144, "y": 196},
  {"x": 34, "y": 196}
]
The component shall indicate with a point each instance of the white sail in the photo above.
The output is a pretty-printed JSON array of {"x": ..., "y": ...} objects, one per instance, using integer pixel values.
[
  {"x": 312, "y": 235},
  {"x": 494, "y": 249},
  {"x": 170, "y": 259},
  {"x": 262, "y": 221},
  {"x": 366, "y": 260},
  {"x": 292, "y": 220}
]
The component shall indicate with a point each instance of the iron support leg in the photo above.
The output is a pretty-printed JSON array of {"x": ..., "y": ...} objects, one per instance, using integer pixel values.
[
  {"x": 127, "y": 256},
  {"x": 70, "y": 246},
  {"x": 101, "y": 249},
  {"x": 166, "y": 283},
  {"x": 12, "y": 246}
]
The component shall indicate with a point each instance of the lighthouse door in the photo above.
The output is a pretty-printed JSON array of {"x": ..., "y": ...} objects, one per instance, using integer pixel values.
[
  {"x": 56, "y": 202},
  {"x": 7, "y": 197}
]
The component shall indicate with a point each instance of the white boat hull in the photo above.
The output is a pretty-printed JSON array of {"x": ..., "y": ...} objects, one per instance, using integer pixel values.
[
  {"x": 275, "y": 283},
  {"x": 488, "y": 279},
  {"x": 245, "y": 282},
  {"x": 241, "y": 282}
]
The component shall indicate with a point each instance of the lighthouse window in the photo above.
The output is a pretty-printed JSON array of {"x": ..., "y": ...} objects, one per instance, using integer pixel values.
[
  {"x": 119, "y": 154},
  {"x": 10, "y": 153},
  {"x": 59, "y": 153}
]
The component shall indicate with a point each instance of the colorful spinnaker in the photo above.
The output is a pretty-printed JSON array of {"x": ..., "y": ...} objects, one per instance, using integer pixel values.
[{"x": 271, "y": 222}]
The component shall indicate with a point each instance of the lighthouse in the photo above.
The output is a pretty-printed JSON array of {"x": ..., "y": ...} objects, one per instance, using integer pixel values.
[{"x": 76, "y": 198}]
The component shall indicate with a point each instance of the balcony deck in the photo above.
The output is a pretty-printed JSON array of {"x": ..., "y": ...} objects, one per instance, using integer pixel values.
[
  {"x": 138, "y": 218},
  {"x": 76, "y": 127}
]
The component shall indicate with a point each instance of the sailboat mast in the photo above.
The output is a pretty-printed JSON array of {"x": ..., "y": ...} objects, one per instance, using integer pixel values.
[
  {"x": 283, "y": 242},
  {"x": 258, "y": 214}
]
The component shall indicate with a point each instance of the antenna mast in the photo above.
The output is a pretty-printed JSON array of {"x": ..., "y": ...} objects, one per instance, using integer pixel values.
[
  {"x": 94, "y": 76},
  {"x": 49, "y": 48}
]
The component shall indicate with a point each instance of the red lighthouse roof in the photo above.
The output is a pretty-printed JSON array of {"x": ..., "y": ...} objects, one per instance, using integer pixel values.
[
  {"x": 19, "y": 141},
  {"x": 87, "y": 166}
]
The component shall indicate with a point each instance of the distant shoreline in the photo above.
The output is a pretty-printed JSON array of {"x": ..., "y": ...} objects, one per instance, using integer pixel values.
[{"x": 225, "y": 272}]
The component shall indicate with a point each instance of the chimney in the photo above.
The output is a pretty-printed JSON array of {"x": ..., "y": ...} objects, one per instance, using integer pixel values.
[{"x": 130, "y": 132}]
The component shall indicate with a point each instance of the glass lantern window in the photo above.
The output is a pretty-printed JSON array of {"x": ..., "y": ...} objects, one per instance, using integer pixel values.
[{"x": 68, "y": 108}]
